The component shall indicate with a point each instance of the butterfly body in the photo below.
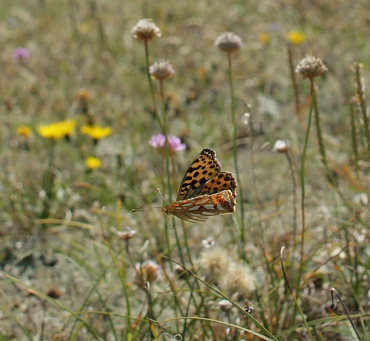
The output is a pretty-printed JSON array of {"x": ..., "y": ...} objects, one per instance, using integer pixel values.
[{"x": 205, "y": 190}]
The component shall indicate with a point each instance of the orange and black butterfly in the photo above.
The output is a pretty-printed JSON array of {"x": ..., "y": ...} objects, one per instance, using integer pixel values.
[{"x": 205, "y": 190}]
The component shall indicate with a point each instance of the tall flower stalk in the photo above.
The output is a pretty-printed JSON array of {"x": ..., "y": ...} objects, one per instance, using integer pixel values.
[
  {"x": 146, "y": 30},
  {"x": 230, "y": 43},
  {"x": 309, "y": 67}
]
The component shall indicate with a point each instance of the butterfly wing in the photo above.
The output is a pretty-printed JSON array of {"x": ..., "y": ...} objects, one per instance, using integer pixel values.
[
  {"x": 202, "y": 207},
  {"x": 220, "y": 182},
  {"x": 202, "y": 169}
]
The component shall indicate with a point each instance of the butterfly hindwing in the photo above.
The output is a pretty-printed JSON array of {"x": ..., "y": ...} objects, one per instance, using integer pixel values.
[
  {"x": 203, "y": 206},
  {"x": 202, "y": 169}
]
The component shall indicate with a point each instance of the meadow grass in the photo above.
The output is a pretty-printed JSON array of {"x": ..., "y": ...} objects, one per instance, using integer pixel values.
[{"x": 88, "y": 254}]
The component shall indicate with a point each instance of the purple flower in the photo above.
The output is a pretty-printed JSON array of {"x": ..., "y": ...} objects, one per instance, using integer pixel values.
[
  {"x": 275, "y": 27},
  {"x": 21, "y": 53},
  {"x": 159, "y": 141},
  {"x": 176, "y": 144}
]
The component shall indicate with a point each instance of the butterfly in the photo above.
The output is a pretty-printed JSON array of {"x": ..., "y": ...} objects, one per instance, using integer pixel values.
[{"x": 205, "y": 190}]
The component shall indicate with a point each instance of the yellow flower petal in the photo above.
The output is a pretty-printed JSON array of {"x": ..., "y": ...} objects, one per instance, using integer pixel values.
[
  {"x": 96, "y": 132},
  {"x": 57, "y": 130},
  {"x": 93, "y": 163},
  {"x": 264, "y": 38},
  {"x": 24, "y": 131},
  {"x": 296, "y": 37}
]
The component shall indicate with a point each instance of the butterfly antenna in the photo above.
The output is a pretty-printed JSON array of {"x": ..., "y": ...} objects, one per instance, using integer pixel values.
[{"x": 163, "y": 198}]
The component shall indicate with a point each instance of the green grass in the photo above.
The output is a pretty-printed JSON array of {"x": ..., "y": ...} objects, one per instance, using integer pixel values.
[{"x": 65, "y": 272}]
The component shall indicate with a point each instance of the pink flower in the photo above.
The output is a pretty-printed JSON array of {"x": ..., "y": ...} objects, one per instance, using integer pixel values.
[
  {"x": 21, "y": 53},
  {"x": 159, "y": 141}
]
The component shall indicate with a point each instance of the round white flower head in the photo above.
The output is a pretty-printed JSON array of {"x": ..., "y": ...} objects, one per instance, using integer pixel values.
[
  {"x": 281, "y": 146},
  {"x": 311, "y": 67},
  {"x": 145, "y": 29},
  {"x": 162, "y": 70},
  {"x": 229, "y": 42}
]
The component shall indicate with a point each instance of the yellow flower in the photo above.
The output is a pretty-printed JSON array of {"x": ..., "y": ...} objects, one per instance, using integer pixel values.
[
  {"x": 296, "y": 37},
  {"x": 92, "y": 163},
  {"x": 264, "y": 38},
  {"x": 24, "y": 131},
  {"x": 57, "y": 130},
  {"x": 96, "y": 132}
]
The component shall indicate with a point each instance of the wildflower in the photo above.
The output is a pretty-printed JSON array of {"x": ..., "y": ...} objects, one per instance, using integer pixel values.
[
  {"x": 296, "y": 37},
  {"x": 162, "y": 70},
  {"x": 208, "y": 243},
  {"x": 214, "y": 262},
  {"x": 264, "y": 38},
  {"x": 92, "y": 163},
  {"x": 24, "y": 130},
  {"x": 21, "y": 53},
  {"x": 57, "y": 130},
  {"x": 281, "y": 146},
  {"x": 147, "y": 272},
  {"x": 126, "y": 235},
  {"x": 159, "y": 141},
  {"x": 311, "y": 67},
  {"x": 245, "y": 118},
  {"x": 225, "y": 306},
  {"x": 238, "y": 279},
  {"x": 145, "y": 30},
  {"x": 229, "y": 42},
  {"x": 96, "y": 132},
  {"x": 84, "y": 95}
]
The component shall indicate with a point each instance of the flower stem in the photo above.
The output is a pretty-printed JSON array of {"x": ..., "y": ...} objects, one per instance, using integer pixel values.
[
  {"x": 361, "y": 98},
  {"x": 303, "y": 193},
  {"x": 235, "y": 155},
  {"x": 354, "y": 139},
  {"x": 151, "y": 86},
  {"x": 319, "y": 132}
]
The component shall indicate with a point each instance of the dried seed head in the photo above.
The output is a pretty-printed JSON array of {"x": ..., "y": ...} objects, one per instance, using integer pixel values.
[
  {"x": 84, "y": 95},
  {"x": 147, "y": 272},
  {"x": 162, "y": 70},
  {"x": 229, "y": 42},
  {"x": 281, "y": 146},
  {"x": 145, "y": 29},
  {"x": 238, "y": 279},
  {"x": 311, "y": 67},
  {"x": 214, "y": 263}
]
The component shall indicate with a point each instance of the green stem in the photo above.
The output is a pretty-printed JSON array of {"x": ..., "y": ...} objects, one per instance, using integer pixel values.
[
  {"x": 151, "y": 86},
  {"x": 303, "y": 198},
  {"x": 292, "y": 293},
  {"x": 235, "y": 156},
  {"x": 319, "y": 133}
]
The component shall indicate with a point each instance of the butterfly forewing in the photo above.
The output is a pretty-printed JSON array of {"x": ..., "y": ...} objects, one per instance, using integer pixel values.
[
  {"x": 202, "y": 169},
  {"x": 220, "y": 182}
]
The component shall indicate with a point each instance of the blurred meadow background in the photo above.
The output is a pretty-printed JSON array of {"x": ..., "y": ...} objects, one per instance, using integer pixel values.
[{"x": 86, "y": 252}]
